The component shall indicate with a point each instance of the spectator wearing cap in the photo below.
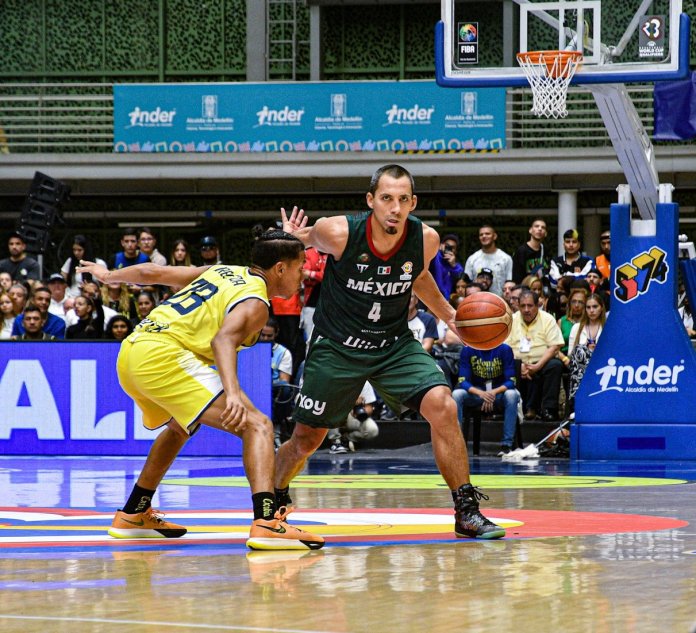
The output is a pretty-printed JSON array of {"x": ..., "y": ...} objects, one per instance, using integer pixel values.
[
  {"x": 490, "y": 257},
  {"x": 602, "y": 261},
  {"x": 572, "y": 264},
  {"x": 58, "y": 286},
  {"x": 485, "y": 279},
  {"x": 51, "y": 324},
  {"x": 599, "y": 285},
  {"x": 130, "y": 255},
  {"x": 444, "y": 267},
  {"x": 19, "y": 265},
  {"x": 210, "y": 254},
  {"x": 594, "y": 278}
]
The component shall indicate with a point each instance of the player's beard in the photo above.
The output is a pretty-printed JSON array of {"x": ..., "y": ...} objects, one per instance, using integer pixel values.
[{"x": 391, "y": 230}]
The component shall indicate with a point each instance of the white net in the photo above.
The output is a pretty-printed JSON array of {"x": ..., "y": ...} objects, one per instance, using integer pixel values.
[{"x": 549, "y": 74}]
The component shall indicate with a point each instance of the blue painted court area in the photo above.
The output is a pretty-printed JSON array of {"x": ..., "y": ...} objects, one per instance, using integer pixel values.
[{"x": 102, "y": 483}]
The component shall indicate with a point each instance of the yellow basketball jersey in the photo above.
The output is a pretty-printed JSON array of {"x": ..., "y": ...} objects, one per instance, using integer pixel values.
[{"x": 193, "y": 316}]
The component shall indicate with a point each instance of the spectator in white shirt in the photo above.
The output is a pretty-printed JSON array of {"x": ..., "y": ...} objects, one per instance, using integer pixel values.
[
  {"x": 7, "y": 314},
  {"x": 90, "y": 289},
  {"x": 422, "y": 325},
  {"x": 491, "y": 257},
  {"x": 60, "y": 302},
  {"x": 81, "y": 249}
]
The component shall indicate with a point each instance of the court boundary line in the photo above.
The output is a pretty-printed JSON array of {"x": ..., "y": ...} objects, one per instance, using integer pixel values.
[{"x": 223, "y": 627}]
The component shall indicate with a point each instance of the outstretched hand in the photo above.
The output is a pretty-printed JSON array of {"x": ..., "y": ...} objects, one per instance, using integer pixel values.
[
  {"x": 96, "y": 270},
  {"x": 297, "y": 220}
]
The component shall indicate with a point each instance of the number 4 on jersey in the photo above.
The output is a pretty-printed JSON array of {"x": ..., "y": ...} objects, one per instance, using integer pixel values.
[{"x": 375, "y": 312}]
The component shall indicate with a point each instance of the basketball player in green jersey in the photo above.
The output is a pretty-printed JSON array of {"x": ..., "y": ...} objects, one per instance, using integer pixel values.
[
  {"x": 166, "y": 366},
  {"x": 375, "y": 260}
]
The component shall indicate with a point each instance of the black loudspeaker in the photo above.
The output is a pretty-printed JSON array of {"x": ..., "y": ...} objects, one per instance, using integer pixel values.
[
  {"x": 38, "y": 214},
  {"x": 36, "y": 239},
  {"x": 42, "y": 208},
  {"x": 49, "y": 190}
]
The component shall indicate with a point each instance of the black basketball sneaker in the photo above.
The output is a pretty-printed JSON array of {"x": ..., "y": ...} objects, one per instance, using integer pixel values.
[{"x": 468, "y": 520}]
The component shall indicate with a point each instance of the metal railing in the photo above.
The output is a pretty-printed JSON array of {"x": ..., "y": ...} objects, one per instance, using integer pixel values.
[
  {"x": 583, "y": 127},
  {"x": 78, "y": 118},
  {"x": 56, "y": 118}
]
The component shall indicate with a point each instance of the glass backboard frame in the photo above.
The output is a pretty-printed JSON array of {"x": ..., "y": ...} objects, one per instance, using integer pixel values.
[{"x": 677, "y": 67}]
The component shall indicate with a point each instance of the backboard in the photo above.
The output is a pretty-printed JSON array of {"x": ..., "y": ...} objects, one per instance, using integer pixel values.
[{"x": 622, "y": 41}]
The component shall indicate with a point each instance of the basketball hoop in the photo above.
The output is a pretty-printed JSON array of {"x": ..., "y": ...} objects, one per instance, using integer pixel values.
[{"x": 549, "y": 74}]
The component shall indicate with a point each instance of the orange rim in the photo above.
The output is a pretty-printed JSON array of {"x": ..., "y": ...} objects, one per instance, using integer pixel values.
[{"x": 558, "y": 63}]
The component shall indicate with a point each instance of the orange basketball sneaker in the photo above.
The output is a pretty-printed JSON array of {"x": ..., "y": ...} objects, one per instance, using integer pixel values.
[
  {"x": 148, "y": 524},
  {"x": 277, "y": 534}
]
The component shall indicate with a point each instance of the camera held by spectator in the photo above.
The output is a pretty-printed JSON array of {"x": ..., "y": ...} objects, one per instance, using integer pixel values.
[
  {"x": 359, "y": 425},
  {"x": 360, "y": 414}
]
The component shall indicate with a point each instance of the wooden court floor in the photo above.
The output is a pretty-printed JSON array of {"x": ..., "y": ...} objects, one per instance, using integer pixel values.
[{"x": 591, "y": 547}]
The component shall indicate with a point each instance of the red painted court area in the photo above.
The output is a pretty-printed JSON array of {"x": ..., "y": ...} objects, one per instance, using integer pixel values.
[{"x": 51, "y": 527}]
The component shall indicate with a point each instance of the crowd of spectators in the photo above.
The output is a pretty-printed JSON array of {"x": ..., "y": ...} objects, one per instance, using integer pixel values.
[
  {"x": 548, "y": 297},
  {"x": 559, "y": 307},
  {"x": 536, "y": 373},
  {"x": 65, "y": 305}
]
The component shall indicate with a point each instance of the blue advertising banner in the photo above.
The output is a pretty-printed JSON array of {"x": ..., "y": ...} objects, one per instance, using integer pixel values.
[
  {"x": 65, "y": 399},
  {"x": 306, "y": 117}
]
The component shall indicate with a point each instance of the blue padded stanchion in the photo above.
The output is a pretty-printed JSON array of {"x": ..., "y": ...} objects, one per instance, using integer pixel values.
[{"x": 638, "y": 397}]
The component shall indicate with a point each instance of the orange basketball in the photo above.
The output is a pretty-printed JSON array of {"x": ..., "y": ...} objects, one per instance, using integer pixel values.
[{"x": 483, "y": 320}]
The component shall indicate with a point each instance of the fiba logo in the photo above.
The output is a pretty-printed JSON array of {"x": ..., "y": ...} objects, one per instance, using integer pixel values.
[
  {"x": 467, "y": 43},
  {"x": 339, "y": 105},
  {"x": 209, "y": 106},
  {"x": 468, "y": 32}
]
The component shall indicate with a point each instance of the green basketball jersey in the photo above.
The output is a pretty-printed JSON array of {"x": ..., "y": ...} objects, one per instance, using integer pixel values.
[{"x": 364, "y": 296}]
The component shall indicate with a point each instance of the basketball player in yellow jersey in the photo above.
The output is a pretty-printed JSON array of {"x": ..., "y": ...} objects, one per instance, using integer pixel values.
[{"x": 165, "y": 366}]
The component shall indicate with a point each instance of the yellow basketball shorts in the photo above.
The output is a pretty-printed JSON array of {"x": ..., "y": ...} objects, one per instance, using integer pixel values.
[{"x": 167, "y": 381}]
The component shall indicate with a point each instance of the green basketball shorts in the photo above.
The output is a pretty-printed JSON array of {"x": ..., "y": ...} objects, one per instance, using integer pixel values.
[{"x": 335, "y": 374}]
